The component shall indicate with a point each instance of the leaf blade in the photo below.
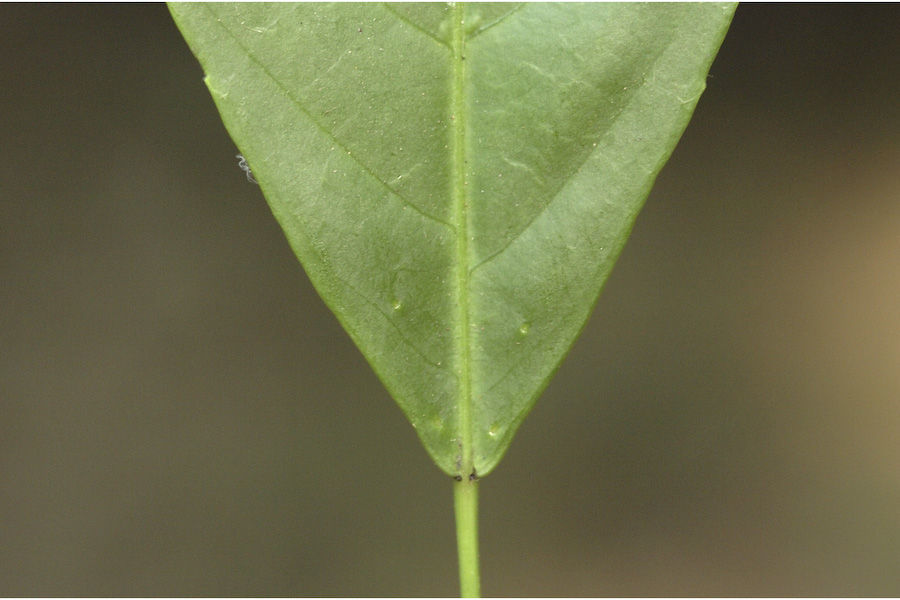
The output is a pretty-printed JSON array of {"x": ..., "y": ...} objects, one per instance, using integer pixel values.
[
  {"x": 381, "y": 136},
  {"x": 547, "y": 272}
]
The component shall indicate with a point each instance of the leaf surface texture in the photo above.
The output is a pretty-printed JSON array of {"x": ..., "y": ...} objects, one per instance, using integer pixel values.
[{"x": 457, "y": 180}]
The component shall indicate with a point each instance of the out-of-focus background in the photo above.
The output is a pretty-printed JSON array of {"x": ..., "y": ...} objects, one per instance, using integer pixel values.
[{"x": 181, "y": 415}]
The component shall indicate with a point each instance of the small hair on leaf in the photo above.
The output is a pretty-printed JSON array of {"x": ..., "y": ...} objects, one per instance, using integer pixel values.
[{"x": 242, "y": 163}]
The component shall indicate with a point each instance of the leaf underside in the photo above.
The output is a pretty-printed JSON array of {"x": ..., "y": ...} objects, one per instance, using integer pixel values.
[{"x": 457, "y": 180}]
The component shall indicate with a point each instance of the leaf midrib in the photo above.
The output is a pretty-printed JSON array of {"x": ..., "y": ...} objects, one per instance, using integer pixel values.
[{"x": 458, "y": 120}]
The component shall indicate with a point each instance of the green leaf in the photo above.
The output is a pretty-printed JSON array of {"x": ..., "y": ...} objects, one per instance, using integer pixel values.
[{"x": 457, "y": 180}]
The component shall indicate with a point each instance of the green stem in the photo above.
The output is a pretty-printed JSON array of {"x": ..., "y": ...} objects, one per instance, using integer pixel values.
[{"x": 465, "y": 503}]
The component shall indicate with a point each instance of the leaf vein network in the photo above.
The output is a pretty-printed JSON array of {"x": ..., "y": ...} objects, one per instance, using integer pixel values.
[
  {"x": 325, "y": 130},
  {"x": 415, "y": 25},
  {"x": 574, "y": 174},
  {"x": 496, "y": 21},
  {"x": 374, "y": 304}
]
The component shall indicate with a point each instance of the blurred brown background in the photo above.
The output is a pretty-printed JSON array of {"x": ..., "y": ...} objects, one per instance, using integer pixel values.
[{"x": 180, "y": 415}]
